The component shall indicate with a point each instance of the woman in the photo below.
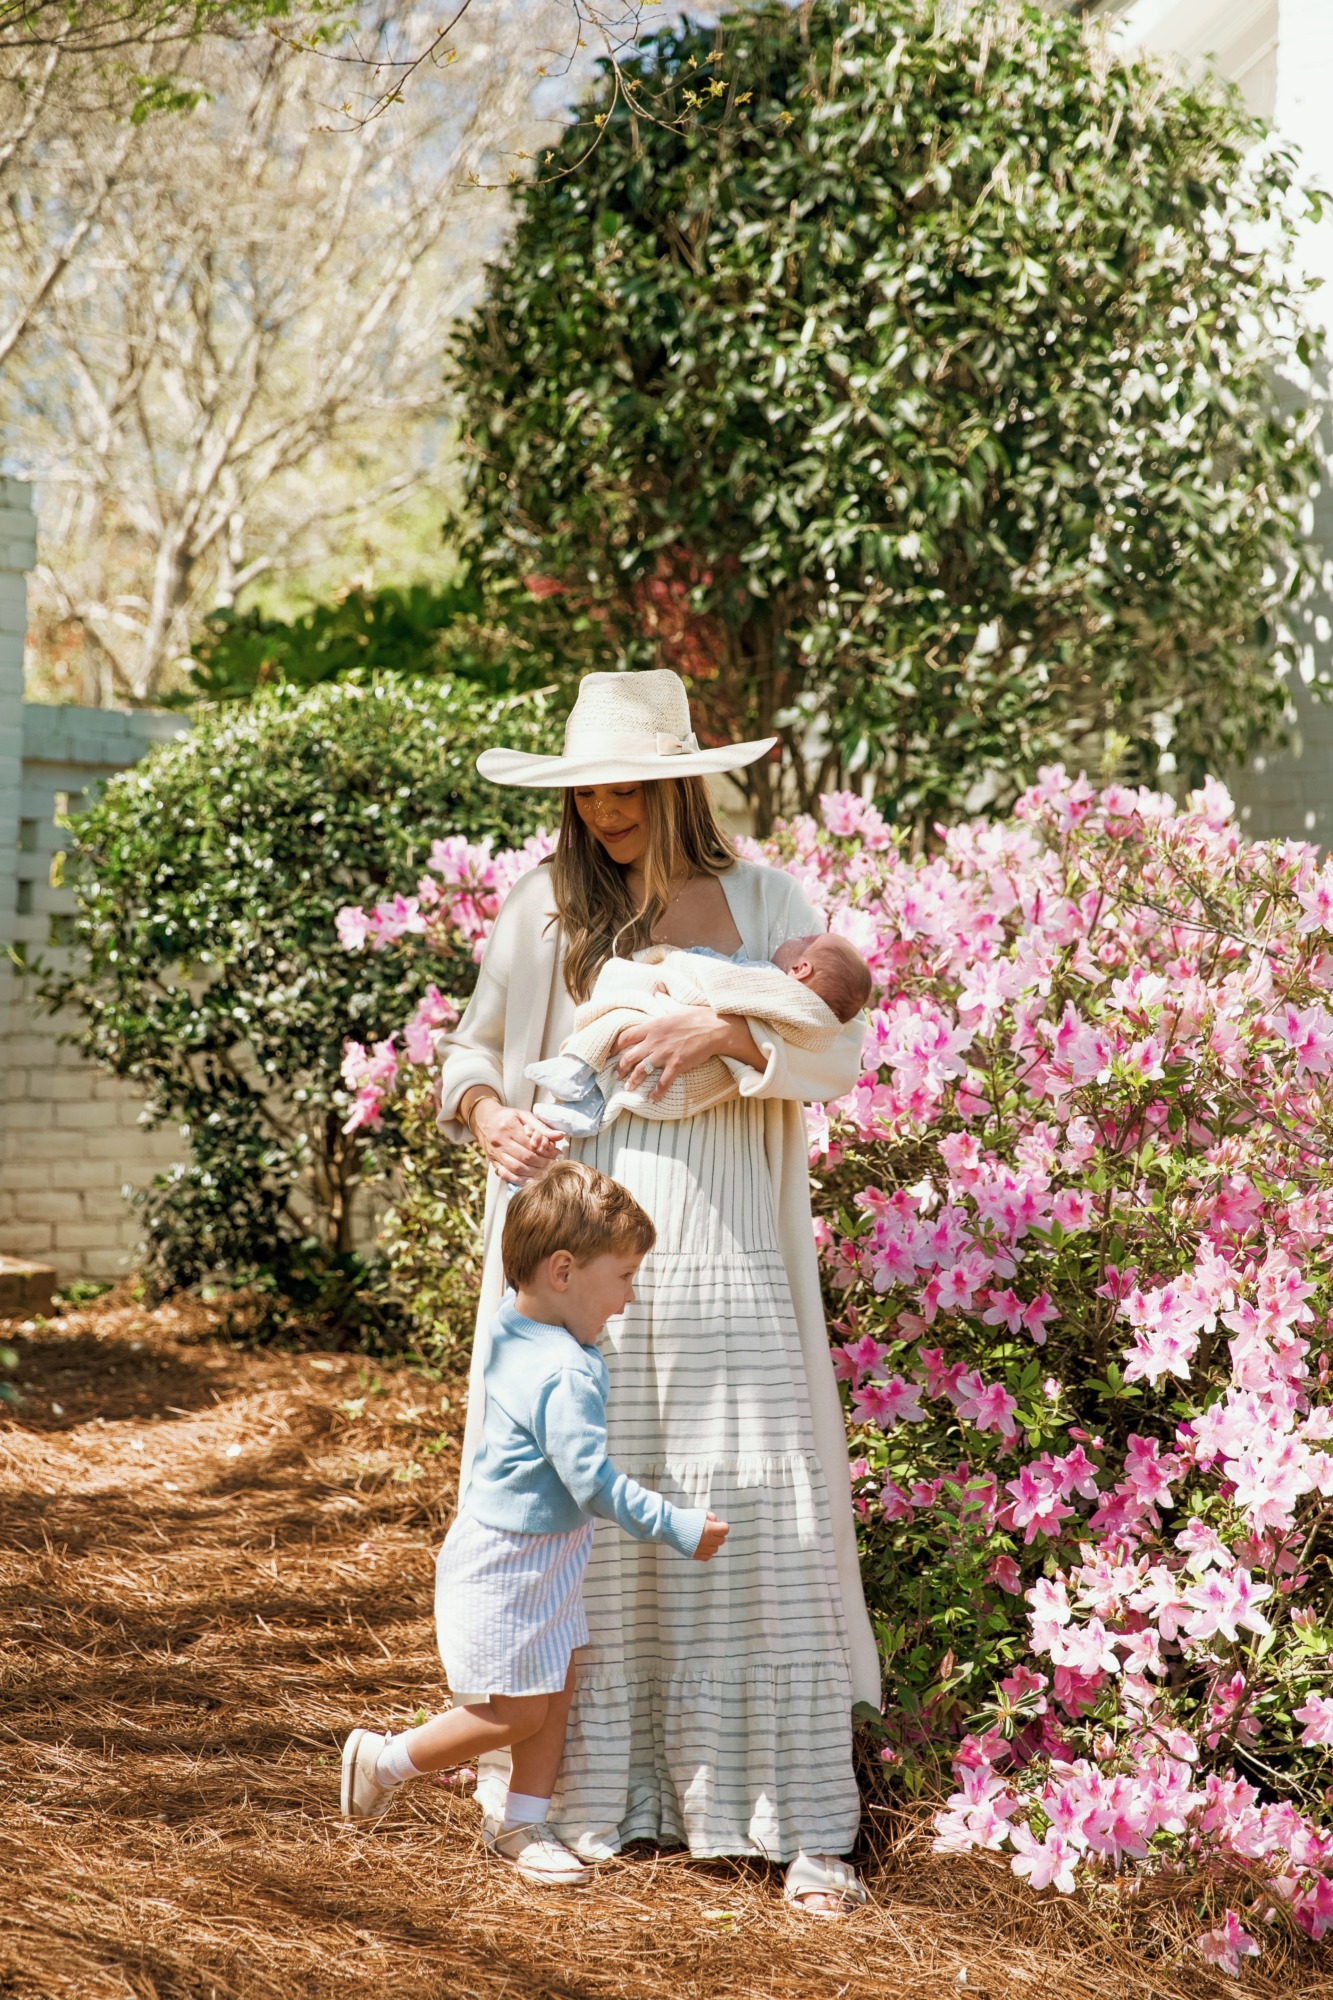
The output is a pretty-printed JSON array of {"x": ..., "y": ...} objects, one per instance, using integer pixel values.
[{"x": 713, "y": 1708}]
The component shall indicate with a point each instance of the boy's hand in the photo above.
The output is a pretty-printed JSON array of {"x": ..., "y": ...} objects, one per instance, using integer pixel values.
[{"x": 710, "y": 1541}]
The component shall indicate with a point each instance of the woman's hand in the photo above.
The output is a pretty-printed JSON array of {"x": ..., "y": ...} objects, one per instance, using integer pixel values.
[
  {"x": 662, "y": 1047},
  {"x": 517, "y": 1144}
]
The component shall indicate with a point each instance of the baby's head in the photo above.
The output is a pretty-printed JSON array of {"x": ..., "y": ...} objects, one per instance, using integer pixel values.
[{"x": 830, "y": 967}]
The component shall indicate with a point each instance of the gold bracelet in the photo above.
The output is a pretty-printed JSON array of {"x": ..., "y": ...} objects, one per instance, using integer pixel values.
[{"x": 483, "y": 1096}]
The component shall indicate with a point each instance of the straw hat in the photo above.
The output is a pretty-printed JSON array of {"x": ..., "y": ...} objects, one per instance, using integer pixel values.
[{"x": 623, "y": 729}]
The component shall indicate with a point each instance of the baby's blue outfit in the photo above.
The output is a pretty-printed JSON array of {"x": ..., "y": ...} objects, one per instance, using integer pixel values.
[
  {"x": 542, "y": 1468},
  {"x": 580, "y": 1104},
  {"x": 509, "y": 1579}
]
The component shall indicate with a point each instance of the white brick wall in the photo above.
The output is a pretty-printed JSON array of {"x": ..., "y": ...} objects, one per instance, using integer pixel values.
[{"x": 70, "y": 1137}]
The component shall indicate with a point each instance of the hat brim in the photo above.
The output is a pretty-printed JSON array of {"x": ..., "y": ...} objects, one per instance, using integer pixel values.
[{"x": 522, "y": 767}]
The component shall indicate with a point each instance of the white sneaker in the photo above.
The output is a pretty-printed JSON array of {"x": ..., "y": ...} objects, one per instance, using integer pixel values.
[
  {"x": 363, "y": 1796},
  {"x": 538, "y": 1856}
]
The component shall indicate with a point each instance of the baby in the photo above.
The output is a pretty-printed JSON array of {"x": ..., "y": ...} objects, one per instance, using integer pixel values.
[{"x": 809, "y": 990}]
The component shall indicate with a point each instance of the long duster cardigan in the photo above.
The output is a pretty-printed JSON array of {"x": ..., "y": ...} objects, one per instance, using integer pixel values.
[{"x": 519, "y": 1014}]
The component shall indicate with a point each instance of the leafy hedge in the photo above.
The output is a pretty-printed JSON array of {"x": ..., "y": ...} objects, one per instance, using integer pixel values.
[
  {"x": 207, "y": 880},
  {"x": 412, "y": 633}
]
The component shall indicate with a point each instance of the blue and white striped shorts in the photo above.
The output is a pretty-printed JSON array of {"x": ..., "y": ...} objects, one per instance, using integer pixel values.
[{"x": 509, "y": 1608}]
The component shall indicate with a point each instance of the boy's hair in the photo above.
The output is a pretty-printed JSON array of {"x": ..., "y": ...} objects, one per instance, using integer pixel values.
[
  {"x": 844, "y": 976},
  {"x": 571, "y": 1207}
]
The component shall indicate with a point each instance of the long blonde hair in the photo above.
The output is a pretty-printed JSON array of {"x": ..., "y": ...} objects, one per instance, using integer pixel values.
[{"x": 598, "y": 915}]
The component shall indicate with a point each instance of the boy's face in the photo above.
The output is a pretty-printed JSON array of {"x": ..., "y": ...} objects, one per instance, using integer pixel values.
[{"x": 593, "y": 1293}]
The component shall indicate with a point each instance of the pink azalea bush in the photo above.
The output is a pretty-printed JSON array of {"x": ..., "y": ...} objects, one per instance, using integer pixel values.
[
  {"x": 456, "y": 902},
  {"x": 1074, "y": 1220}
]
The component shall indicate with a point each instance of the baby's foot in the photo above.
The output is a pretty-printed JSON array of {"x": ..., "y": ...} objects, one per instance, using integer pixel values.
[
  {"x": 565, "y": 1077},
  {"x": 577, "y": 1121}
]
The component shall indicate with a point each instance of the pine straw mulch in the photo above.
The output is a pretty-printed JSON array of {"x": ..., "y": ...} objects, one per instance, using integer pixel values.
[{"x": 213, "y": 1560}]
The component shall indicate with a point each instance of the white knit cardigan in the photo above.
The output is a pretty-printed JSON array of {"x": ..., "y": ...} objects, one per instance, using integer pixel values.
[{"x": 520, "y": 1013}]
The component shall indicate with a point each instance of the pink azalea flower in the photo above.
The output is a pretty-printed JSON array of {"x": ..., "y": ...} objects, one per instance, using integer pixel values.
[
  {"x": 1226, "y": 1945},
  {"x": 377, "y": 1066},
  {"x": 988, "y": 1407},
  {"x": 1316, "y": 904},
  {"x": 1203, "y": 1545},
  {"x": 1047, "y": 1863},
  {"x": 1149, "y": 1473},
  {"x": 888, "y": 1403},
  {"x": 365, "y": 1114},
  {"x": 1308, "y": 1033},
  {"x": 860, "y": 1356},
  {"x": 399, "y": 917},
  {"x": 1222, "y": 1601},
  {"x": 1039, "y": 1315},
  {"x": 1313, "y": 1909},
  {"x": 1005, "y": 1309},
  {"x": 1005, "y": 1571},
  {"x": 1215, "y": 803},
  {"x": 1316, "y": 1712},
  {"x": 353, "y": 927},
  {"x": 1072, "y": 1209},
  {"x": 434, "y": 1013}
]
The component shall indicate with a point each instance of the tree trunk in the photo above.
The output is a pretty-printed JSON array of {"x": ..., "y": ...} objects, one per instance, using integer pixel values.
[{"x": 171, "y": 577}]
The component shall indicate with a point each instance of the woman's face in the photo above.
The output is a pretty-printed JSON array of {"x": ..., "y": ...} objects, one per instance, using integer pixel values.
[{"x": 617, "y": 816}]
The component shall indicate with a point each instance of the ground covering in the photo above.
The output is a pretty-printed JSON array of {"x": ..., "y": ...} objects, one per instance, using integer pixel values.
[{"x": 214, "y": 1558}]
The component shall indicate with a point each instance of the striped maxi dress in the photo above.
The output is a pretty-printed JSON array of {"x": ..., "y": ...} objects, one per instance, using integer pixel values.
[{"x": 714, "y": 1700}]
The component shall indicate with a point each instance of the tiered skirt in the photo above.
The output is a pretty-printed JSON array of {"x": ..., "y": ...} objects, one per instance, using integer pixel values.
[{"x": 714, "y": 1699}]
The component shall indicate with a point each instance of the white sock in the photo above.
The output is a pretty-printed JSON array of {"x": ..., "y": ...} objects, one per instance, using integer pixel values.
[
  {"x": 393, "y": 1763},
  {"x": 521, "y": 1809}
]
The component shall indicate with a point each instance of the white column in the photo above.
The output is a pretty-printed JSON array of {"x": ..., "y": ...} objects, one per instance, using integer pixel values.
[{"x": 18, "y": 551}]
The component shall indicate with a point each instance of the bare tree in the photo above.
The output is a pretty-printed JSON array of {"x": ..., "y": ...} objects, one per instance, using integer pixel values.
[
  {"x": 65, "y": 68},
  {"x": 247, "y": 359}
]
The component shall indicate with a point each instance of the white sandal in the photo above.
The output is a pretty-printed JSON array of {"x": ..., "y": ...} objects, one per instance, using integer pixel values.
[
  {"x": 823, "y": 1875},
  {"x": 538, "y": 1855}
]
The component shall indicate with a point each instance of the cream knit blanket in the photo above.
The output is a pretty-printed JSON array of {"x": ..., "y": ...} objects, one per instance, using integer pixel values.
[{"x": 662, "y": 981}]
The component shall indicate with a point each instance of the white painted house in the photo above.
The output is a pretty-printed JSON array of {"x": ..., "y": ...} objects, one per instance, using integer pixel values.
[{"x": 1280, "y": 55}]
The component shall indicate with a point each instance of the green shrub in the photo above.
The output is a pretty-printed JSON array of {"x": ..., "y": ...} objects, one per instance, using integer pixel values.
[
  {"x": 430, "y": 1239},
  {"x": 411, "y": 633},
  {"x": 207, "y": 882}
]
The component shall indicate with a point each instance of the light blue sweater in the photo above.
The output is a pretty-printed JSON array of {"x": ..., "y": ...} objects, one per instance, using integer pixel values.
[{"x": 542, "y": 1466}]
